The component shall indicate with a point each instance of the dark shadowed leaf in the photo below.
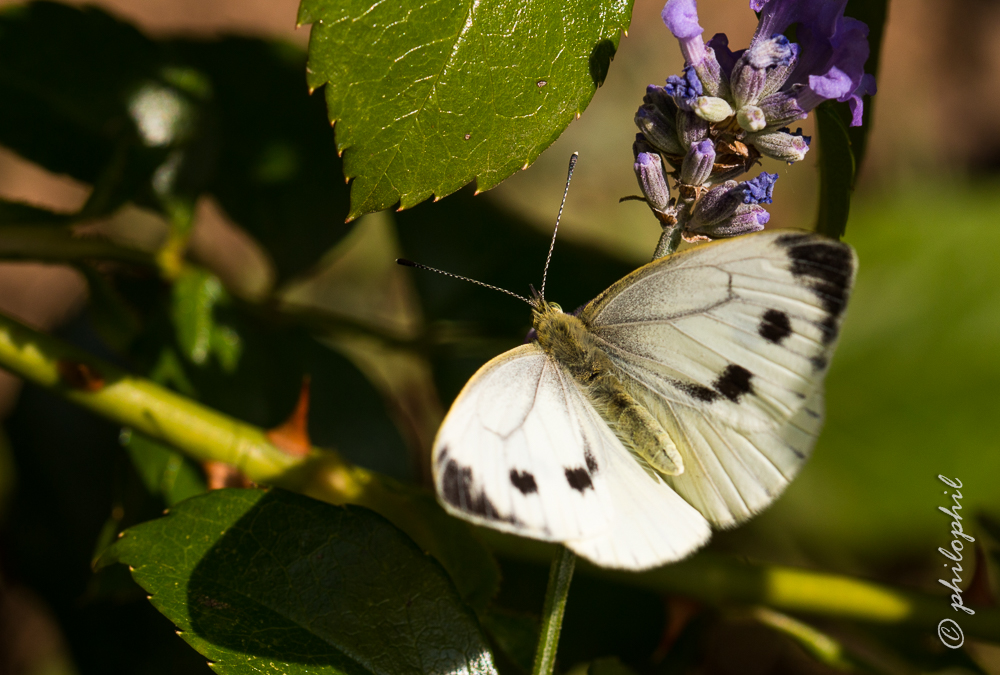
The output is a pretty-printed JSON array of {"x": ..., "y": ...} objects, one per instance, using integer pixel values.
[
  {"x": 428, "y": 97},
  {"x": 836, "y": 170},
  {"x": 842, "y": 148},
  {"x": 276, "y": 582},
  {"x": 65, "y": 106}
]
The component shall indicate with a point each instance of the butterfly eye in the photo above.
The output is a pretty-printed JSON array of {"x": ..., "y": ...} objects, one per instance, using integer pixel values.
[{"x": 555, "y": 306}]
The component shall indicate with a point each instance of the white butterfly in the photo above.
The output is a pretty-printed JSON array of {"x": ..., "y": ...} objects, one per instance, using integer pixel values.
[{"x": 688, "y": 393}]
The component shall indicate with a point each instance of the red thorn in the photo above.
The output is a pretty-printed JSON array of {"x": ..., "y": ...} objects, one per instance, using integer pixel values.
[{"x": 293, "y": 435}]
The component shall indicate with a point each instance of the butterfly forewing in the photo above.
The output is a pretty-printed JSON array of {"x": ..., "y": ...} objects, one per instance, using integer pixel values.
[
  {"x": 732, "y": 367},
  {"x": 515, "y": 454},
  {"x": 524, "y": 450}
]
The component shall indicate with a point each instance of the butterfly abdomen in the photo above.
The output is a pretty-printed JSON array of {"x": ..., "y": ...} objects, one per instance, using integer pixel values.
[{"x": 570, "y": 343}]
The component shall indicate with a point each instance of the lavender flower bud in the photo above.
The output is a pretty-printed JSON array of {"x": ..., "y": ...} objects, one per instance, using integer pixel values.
[
  {"x": 764, "y": 60},
  {"x": 747, "y": 218},
  {"x": 698, "y": 163},
  {"x": 658, "y": 130},
  {"x": 781, "y": 145},
  {"x": 711, "y": 75},
  {"x": 712, "y": 109},
  {"x": 751, "y": 118},
  {"x": 783, "y": 108},
  {"x": 657, "y": 97},
  {"x": 725, "y": 201},
  {"x": 716, "y": 205},
  {"x": 652, "y": 179},
  {"x": 691, "y": 129}
]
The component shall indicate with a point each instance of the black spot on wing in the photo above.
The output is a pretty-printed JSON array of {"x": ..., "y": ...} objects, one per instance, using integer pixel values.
[
  {"x": 774, "y": 326},
  {"x": 819, "y": 362},
  {"x": 458, "y": 488},
  {"x": 830, "y": 327},
  {"x": 523, "y": 481},
  {"x": 734, "y": 382},
  {"x": 828, "y": 265},
  {"x": 579, "y": 479},
  {"x": 698, "y": 392}
]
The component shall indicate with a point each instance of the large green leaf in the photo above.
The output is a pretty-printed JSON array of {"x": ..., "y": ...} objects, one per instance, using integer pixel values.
[
  {"x": 275, "y": 582},
  {"x": 430, "y": 96}
]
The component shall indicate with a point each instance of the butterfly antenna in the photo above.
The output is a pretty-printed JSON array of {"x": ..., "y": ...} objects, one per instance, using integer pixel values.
[
  {"x": 410, "y": 263},
  {"x": 569, "y": 176}
]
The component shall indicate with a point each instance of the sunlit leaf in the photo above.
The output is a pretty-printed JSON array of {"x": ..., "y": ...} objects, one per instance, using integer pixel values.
[{"x": 428, "y": 97}]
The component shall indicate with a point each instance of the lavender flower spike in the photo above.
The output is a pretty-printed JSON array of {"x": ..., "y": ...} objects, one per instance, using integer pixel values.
[{"x": 681, "y": 18}]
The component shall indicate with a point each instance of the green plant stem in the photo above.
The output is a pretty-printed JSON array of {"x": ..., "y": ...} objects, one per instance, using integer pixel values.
[
  {"x": 205, "y": 434},
  {"x": 670, "y": 239},
  {"x": 560, "y": 577}
]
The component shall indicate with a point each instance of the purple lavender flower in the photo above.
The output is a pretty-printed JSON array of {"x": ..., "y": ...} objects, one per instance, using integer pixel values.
[
  {"x": 785, "y": 80},
  {"x": 681, "y": 17},
  {"x": 759, "y": 189},
  {"x": 833, "y": 49},
  {"x": 649, "y": 173},
  {"x": 684, "y": 90}
]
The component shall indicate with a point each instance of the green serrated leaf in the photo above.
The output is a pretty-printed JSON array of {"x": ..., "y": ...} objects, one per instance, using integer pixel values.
[
  {"x": 275, "y": 582},
  {"x": 836, "y": 170},
  {"x": 430, "y": 96}
]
